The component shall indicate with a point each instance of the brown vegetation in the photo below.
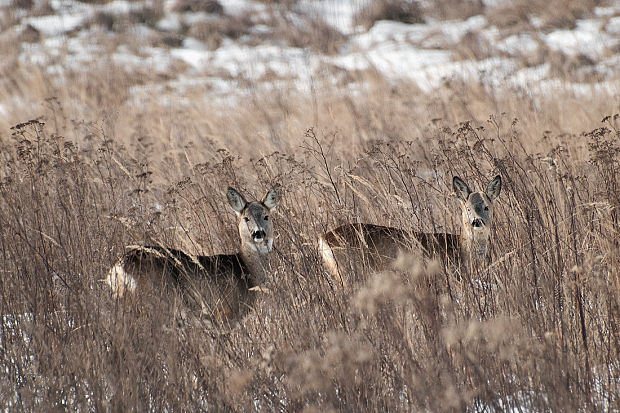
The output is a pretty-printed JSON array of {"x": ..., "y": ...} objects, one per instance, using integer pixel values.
[
  {"x": 553, "y": 14},
  {"x": 454, "y": 9},
  {"x": 208, "y": 6},
  {"x": 397, "y": 10},
  {"x": 537, "y": 329},
  {"x": 99, "y": 167}
]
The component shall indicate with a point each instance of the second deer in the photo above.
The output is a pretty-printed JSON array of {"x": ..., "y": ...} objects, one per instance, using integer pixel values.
[{"x": 354, "y": 247}]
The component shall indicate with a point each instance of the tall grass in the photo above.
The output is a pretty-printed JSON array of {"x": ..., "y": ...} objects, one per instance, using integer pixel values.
[
  {"x": 99, "y": 167},
  {"x": 537, "y": 329}
]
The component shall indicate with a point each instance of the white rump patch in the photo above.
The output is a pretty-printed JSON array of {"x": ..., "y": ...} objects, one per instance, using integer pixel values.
[
  {"x": 329, "y": 260},
  {"x": 120, "y": 281},
  {"x": 260, "y": 289}
]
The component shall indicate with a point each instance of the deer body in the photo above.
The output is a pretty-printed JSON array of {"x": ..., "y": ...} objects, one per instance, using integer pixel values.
[
  {"x": 375, "y": 247},
  {"x": 225, "y": 286}
]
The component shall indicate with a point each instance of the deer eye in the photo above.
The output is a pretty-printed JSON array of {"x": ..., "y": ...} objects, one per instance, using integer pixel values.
[
  {"x": 486, "y": 208},
  {"x": 266, "y": 218},
  {"x": 246, "y": 219}
]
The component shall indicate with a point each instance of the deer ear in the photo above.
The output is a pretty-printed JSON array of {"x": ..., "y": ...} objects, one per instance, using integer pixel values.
[
  {"x": 494, "y": 187},
  {"x": 236, "y": 200},
  {"x": 273, "y": 196},
  {"x": 460, "y": 188}
]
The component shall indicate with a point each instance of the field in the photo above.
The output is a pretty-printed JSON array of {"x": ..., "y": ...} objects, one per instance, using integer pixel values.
[{"x": 96, "y": 157}]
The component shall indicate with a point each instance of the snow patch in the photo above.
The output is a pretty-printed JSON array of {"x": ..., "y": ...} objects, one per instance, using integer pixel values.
[
  {"x": 421, "y": 53},
  {"x": 613, "y": 27},
  {"x": 119, "y": 7},
  {"x": 586, "y": 39},
  {"x": 606, "y": 11},
  {"x": 170, "y": 23},
  {"x": 56, "y": 25},
  {"x": 339, "y": 14},
  {"x": 238, "y": 7},
  {"x": 194, "y": 57},
  {"x": 518, "y": 44}
]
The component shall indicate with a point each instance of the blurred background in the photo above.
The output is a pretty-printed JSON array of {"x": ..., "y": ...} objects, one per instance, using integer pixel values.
[{"x": 215, "y": 69}]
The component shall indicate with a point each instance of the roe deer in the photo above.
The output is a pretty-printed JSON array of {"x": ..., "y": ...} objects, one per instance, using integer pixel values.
[
  {"x": 224, "y": 285},
  {"x": 375, "y": 247}
]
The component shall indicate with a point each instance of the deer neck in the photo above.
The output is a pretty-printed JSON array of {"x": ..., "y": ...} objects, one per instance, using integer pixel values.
[
  {"x": 474, "y": 249},
  {"x": 257, "y": 261}
]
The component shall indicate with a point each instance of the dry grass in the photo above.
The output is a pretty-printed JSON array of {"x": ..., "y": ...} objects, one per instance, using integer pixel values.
[
  {"x": 453, "y": 9},
  {"x": 209, "y": 6},
  {"x": 554, "y": 14},
  {"x": 396, "y": 10},
  {"x": 536, "y": 330},
  {"x": 212, "y": 32}
]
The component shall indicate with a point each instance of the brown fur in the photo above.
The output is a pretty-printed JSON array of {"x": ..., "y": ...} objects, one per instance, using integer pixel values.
[
  {"x": 222, "y": 286},
  {"x": 352, "y": 247},
  {"x": 219, "y": 284},
  {"x": 357, "y": 246}
]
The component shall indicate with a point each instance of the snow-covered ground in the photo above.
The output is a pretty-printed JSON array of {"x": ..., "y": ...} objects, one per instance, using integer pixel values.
[{"x": 72, "y": 38}]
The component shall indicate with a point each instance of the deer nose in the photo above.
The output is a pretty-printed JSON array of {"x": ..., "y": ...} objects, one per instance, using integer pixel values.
[
  {"x": 259, "y": 235},
  {"x": 477, "y": 223}
]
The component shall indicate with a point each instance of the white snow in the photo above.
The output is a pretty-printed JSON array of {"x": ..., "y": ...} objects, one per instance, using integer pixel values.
[
  {"x": 388, "y": 31},
  {"x": 193, "y": 44},
  {"x": 119, "y": 7},
  {"x": 171, "y": 22},
  {"x": 431, "y": 35},
  {"x": 613, "y": 26},
  {"x": 587, "y": 39},
  {"x": 400, "y": 62},
  {"x": 337, "y": 13},
  {"x": 421, "y": 53},
  {"x": 522, "y": 43},
  {"x": 141, "y": 32},
  {"x": 238, "y": 7},
  {"x": 255, "y": 62},
  {"x": 56, "y": 25},
  {"x": 192, "y": 18},
  {"x": 607, "y": 11},
  {"x": 455, "y": 30},
  {"x": 194, "y": 57},
  {"x": 76, "y": 51}
]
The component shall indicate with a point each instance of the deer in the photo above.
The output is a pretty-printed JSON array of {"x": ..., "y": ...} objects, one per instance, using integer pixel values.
[
  {"x": 225, "y": 285},
  {"x": 376, "y": 247}
]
